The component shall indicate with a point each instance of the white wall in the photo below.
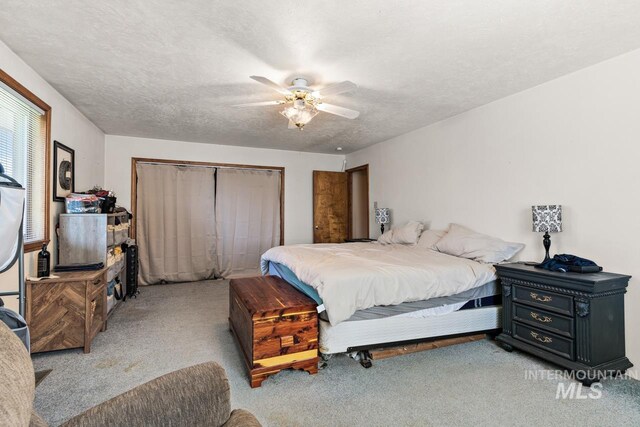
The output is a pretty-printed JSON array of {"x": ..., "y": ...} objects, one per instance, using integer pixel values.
[
  {"x": 298, "y": 172},
  {"x": 69, "y": 127},
  {"x": 572, "y": 141}
]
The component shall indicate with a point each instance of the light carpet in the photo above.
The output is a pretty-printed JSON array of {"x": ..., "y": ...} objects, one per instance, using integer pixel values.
[{"x": 173, "y": 326}]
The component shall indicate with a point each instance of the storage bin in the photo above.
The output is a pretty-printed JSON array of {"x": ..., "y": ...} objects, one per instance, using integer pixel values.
[
  {"x": 120, "y": 235},
  {"x": 82, "y": 203},
  {"x": 116, "y": 267}
]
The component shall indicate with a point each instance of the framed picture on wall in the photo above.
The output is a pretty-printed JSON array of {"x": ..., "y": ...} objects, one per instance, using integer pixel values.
[{"x": 63, "y": 171}]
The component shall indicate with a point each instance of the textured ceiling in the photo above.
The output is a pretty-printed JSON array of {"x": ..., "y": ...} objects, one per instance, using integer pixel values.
[{"x": 173, "y": 69}]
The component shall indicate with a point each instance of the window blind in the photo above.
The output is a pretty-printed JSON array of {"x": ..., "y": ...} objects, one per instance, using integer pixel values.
[{"x": 23, "y": 155}]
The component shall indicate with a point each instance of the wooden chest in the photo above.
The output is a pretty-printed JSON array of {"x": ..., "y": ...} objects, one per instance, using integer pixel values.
[
  {"x": 276, "y": 326},
  {"x": 66, "y": 312}
]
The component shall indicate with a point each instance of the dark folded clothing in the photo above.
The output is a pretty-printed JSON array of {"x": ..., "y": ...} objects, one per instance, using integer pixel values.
[
  {"x": 79, "y": 267},
  {"x": 565, "y": 262}
]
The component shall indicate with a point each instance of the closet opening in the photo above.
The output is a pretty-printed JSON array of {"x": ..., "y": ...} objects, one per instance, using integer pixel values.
[
  {"x": 200, "y": 220},
  {"x": 358, "y": 202}
]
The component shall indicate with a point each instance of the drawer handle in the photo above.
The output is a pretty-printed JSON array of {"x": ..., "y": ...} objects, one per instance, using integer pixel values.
[
  {"x": 539, "y": 318},
  {"x": 537, "y": 297},
  {"x": 542, "y": 338},
  {"x": 97, "y": 282}
]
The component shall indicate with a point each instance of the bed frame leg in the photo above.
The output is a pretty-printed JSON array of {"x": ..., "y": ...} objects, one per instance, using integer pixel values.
[
  {"x": 365, "y": 359},
  {"x": 493, "y": 334},
  {"x": 324, "y": 360}
]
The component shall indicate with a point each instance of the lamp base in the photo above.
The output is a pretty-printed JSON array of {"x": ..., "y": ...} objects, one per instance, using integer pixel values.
[
  {"x": 546, "y": 242},
  {"x": 381, "y": 228}
]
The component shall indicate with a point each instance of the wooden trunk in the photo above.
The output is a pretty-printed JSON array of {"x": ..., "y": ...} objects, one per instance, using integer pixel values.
[
  {"x": 276, "y": 326},
  {"x": 67, "y": 312}
]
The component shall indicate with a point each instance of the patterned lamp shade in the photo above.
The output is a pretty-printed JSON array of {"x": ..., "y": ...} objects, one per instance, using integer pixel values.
[
  {"x": 382, "y": 215},
  {"x": 547, "y": 218}
]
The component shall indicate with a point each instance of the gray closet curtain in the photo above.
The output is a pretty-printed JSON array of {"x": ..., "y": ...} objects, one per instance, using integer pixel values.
[
  {"x": 176, "y": 232},
  {"x": 247, "y": 219}
]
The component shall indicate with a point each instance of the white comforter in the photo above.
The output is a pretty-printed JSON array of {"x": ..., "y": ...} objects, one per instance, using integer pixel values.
[{"x": 355, "y": 276}]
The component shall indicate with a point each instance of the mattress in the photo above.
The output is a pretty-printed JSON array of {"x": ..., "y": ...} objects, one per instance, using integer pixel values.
[
  {"x": 473, "y": 298},
  {"x": 434, "y": 306},
  {"x": 359, "y": 276}
]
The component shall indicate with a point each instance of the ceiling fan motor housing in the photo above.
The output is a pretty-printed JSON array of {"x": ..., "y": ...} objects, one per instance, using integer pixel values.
[{"x": 299, "y": 84}]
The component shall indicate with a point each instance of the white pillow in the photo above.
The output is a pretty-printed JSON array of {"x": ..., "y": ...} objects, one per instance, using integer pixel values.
[
  {"x": 386, "y": 238},
  {"x": 463, "y": 242},
  {"x": 407, "y": 234},
  {"x": 429, "y": 238}
]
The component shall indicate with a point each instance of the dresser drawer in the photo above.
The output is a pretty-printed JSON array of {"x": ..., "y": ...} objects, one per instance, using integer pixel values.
[
  {"x": 551, "y": 301},
  {"x": 546, "y": 340},
  {"x": 544, "y": 319}
]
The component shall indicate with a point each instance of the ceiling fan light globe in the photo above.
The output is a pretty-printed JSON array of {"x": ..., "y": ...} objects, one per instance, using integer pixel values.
[{"x": 299, "y": 116}]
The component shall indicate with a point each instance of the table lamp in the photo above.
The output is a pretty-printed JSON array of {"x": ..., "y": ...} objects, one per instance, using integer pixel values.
[
  {"x": 547, "y": 219},
  {"x": 382, "y": 217}
]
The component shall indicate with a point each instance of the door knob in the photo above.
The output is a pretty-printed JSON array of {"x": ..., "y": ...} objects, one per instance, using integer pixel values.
[{"x": 317, "y": 227}]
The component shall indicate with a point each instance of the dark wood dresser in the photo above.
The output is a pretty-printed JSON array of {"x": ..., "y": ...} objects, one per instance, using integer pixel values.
[
  {"x": 275, "y": 325},
  {"x": 67, "y": 312},
  {"x": 573, "y": 320}
]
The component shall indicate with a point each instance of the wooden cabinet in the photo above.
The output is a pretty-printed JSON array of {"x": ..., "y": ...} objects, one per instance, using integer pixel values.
[
  {"x": 67, "y": 312},
  {"x": 275, "y": 325},
  {"x": 573, "y": 320}
]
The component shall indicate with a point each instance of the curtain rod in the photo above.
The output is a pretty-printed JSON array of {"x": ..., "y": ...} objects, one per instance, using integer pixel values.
[{"x": 266, "y": 168}]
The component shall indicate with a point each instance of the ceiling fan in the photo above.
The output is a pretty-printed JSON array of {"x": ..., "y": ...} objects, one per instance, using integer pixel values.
[{"x": 303, "y": 103}]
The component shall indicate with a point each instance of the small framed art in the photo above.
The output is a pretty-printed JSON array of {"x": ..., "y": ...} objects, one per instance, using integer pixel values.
[{"x": 63, "y": 171}]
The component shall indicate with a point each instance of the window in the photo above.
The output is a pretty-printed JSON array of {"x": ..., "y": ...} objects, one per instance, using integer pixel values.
[{"x": 24, "y": 148}]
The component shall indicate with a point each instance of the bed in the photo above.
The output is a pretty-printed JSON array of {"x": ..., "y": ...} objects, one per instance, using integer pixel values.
[{"x": 371, "y": 295}]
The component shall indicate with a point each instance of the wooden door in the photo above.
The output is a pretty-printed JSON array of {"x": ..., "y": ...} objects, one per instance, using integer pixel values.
[{"x": 330, "y": 207}]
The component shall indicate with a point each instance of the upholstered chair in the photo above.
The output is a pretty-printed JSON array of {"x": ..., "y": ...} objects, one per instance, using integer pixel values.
[{"x": 195, "y": 396}]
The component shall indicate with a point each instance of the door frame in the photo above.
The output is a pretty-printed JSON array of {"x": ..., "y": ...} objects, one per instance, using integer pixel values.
[
  {"x": 350, "y": 172},
  {"x": 134, "y": 183}
]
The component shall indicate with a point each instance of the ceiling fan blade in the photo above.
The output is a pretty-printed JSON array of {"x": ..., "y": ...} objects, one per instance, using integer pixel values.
[
  {"x": 260, "y": 104},
  {"x": 337, "y": 88},
  {"x": 272, "y": 85},
  {"x": 338, "y": 111}
]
